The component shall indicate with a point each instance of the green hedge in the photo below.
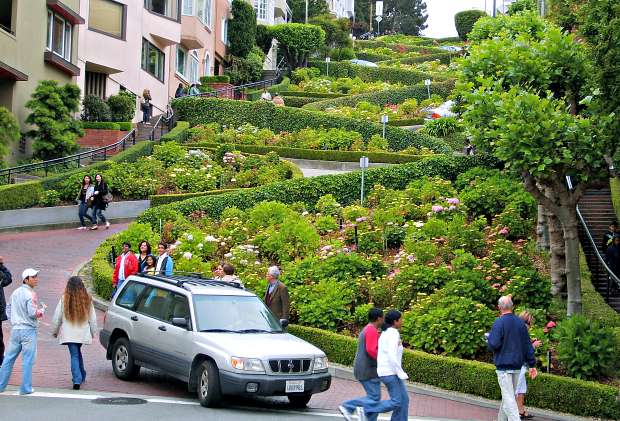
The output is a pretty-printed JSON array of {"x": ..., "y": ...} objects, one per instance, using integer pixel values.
[
  {"x": 388, "y": 96},
  {"x": 18, "y": 196},
  {"x": 319, "y": 154},
  {"x": 108, "y": 125},
  {"x": 310, "y": 94},
  {"x": 177, "y": 134},
  {"x": 299, "y": 101},
  {"x": 373, "y": 57},
  {"x": 411, "y": 46},
  {"x": 102, "y": 273},
  {"x": 345, "y": 187},
  {"x": 371, "y": 74},
  {"x": 215, "y": 79},
  {"x": 547, "y": 391},
  {"x": 266, "y": 115},
  {"x": 407, "y": 122},
  {"x": 444, "y": 57},
  {"x": 164, "y": 199}
]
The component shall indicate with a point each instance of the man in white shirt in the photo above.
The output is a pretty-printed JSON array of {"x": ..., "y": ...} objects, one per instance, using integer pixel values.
[{"x": 164, "y": 261}]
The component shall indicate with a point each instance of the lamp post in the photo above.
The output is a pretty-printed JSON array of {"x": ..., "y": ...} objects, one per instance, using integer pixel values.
[
  {"x": 384, "y": 121},
  {"x": 327, "y": 60},
  {"x": 427, "y": 82},
  {"x": 363, "y": 166},
  {"x": 307, "y": 11}
]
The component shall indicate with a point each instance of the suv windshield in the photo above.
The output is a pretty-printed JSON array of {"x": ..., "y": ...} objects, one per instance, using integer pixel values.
[{"x": 225, "y": 313}]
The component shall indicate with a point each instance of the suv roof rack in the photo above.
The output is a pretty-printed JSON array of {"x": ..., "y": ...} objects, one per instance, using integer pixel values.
[{"x": 191, "y": 278}]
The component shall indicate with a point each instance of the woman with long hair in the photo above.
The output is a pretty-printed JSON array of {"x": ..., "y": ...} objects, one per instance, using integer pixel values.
[
  {"x": 100, "y": 202},
  {"x": 75, "y": 324},
  {"x": 144, "y": 251},
  {"x": 85, "y": 200},
  {"x": 150, "y": 264}
]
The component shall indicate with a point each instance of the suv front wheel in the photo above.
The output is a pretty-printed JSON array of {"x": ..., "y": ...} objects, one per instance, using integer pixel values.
[
  {"x": 209, "y": 393},
  {"x": 122, "y": 360},
  {"x": 299, "y": 401}
]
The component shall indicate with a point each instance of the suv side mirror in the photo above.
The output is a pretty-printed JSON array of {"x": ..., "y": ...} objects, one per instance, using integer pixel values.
[
  {"x": 283, "y": 323},
  {"x": 180, "y": 322}
]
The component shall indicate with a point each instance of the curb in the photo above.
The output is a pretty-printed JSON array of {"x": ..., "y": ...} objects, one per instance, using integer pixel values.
[
  {"x": 346, "y": 373},
  {"x": 60, "y": 225}
]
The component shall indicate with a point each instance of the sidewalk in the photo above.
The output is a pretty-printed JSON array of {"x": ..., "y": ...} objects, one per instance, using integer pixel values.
[{"x": 58, "y": 253}]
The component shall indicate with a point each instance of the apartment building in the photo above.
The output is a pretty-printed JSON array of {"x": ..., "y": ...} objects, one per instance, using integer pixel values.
[
  {"x": 271, "y": 12},
  {"x": 342, "y": 8},
  {"x": 38, "y": 40}
]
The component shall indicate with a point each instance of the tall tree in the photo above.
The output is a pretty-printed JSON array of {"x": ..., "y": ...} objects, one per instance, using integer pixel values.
[
  {"x": 315, "y": 8},
  {"x": 527, "y": 102},
  {"x": 298, "y": 41},
  {"x": 9, "y": 131},
  {"x": 242, "y": 29},
  {"x": 404, "y": 16},
  {"x": 55, "y": 129}
]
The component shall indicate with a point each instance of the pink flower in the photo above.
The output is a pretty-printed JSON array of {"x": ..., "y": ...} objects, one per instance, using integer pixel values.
[
  {"x": 361, "y": 219},
  {"x": 496, "y": 286},
  {"x": 551, "y": 325},
  {"x": 437, "y": 208},
  {"x": 504, "y": 231},
  {"x": 453, "y": 201}
]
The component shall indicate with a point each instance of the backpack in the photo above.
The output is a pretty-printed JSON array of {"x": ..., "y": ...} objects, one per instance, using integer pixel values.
[{"x": 107, "y": 198}]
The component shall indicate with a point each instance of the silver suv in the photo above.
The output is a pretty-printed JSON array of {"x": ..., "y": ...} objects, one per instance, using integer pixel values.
[{"x": 217, "y": 337}]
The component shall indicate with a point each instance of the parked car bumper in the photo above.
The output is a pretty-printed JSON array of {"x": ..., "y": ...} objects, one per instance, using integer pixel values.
[{"x": 236, "y": 384}]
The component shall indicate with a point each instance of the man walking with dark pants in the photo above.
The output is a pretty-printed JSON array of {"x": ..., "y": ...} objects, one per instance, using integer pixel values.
[
  {"x": 5, "y": 281},
  {"x": 512, "y": 349},
  {"x": 365, "y": 368}
]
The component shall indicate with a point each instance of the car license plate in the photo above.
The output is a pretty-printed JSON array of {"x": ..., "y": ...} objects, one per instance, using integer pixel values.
[{"x": 294, "y": 386}]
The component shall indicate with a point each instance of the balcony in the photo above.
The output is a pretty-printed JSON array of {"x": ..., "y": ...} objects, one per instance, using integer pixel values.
[
  {"x": 61, "y": 64},
  {"x": 164, "y": 31},
  {"x": 193, "y": 33},
  {"x": 281, "y": 9}
]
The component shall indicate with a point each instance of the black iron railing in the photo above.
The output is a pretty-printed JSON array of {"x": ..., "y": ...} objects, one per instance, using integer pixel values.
[{"x": 76, "y": 160}]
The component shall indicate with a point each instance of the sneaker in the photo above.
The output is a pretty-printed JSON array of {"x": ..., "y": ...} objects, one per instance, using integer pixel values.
[
  {"x": 21, "y": 392},
  {"x": 361, "y": 414},
  {"x": 94, "y": 227},
  {"x": 345, "y": 413},
  {"x": 76, "y": 387},
  {"x": 107, "y": 225},
  {"x": 81, "y": 228}
]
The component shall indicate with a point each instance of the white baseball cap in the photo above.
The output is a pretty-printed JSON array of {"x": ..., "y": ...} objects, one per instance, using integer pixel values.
[{"x": 29, "y": 272}]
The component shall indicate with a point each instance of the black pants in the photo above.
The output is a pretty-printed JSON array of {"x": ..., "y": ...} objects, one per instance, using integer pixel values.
[{"x": 1, "y": 344}]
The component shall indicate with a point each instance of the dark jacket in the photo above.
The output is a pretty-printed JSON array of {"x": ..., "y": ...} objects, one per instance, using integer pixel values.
[
  {"x": 98, "y": 202},
  {"x": 510, "y": 343},
  {"x": 612, "y": 258},
  {"x": 5, "y": 280},
  {"x": 608, "y": 238},
  {"x": 365, "y": 363},
  {"x": 278, "y": 302}
]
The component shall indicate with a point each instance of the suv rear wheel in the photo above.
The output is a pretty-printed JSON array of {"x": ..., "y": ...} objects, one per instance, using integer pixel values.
[
  {"x": 299, "y": 401},
  {"x": 209, "y": 393},
  {"x": 122, "y": 360}
]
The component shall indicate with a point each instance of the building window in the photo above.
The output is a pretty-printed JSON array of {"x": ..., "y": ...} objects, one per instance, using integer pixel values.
[
  {"x": 225, "y": 31},
  {"x": 153, "y": 60},
  {"x": 261, "y": 9},
  {"x": 167, "y": 8},
  {"x": 202, "y": 9},
  {"x": 59, "y": 36},
  {"x": 95, "y": 84},
  {"x": 181, "y": 59},
  {"x": 194, "y": 64},
  {"x": 7, "y": 20},
  {"x": 107, "y": 16},
  {"x": 207, "y": 64}
]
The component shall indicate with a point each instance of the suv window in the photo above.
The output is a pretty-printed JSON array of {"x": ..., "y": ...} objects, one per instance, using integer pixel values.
[
  {"x": 130, "y": 294},
  {"x": 153, "y": 303},
  {"x": 178, "y": 306}
]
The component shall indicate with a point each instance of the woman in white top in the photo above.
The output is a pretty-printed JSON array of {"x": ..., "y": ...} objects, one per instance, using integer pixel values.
[
  {"x": 390, "y": 371},
  {"x": 75, "y": 324}
]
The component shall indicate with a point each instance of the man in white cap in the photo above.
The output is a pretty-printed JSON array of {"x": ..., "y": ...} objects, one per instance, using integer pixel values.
[{"x": 25, "y": 313}]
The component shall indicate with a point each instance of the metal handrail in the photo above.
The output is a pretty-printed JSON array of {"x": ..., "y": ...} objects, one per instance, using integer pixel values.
[
  {"x": 21, "y": 169},
  {"x": 610, "y": 273},
  {"x": 234, "y": 89}
]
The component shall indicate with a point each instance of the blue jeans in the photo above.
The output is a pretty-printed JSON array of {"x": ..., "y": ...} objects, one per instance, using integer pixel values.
[
  {"x": 398, "y": 402},
  {"x": 373, "y": 395},
  {"x": 83, "y": 212},
  {"x": 78, "y": 374},
  {"x": 22, "y": 341},
  {"x": 98, "y": 213}
]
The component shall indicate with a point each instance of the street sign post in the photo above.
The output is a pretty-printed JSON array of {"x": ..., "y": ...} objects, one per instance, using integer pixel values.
[
  {"x": 384, "y": 121},
  {"x": 363, "y": 166},
  {"x": 427, "y": 82},
  {"x": 378, "y": 13},
  {"x": 327, "y": 60}
]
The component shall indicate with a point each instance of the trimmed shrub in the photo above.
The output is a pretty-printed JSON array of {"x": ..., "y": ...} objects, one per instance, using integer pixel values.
[
  {"x": 546, "y": 391},
  {"x": 444, "y": 57},
  {"x": 122, "y": 106},
  {"x": 242, "y": 29},
  {"x": 214, "y": 79},
  {"x": 371, "y": 74},
  {"x": 303, "y": 94},
  {"x": 299, "y": 101},
  {"x": 107, "y": 125},
  {"x": 164, "y": 199},
  {"x": 465, "y": 20},
  {"x": 22, "y": 195},
  {"x": 373, "y": 57},
  {"x": 94, "y": 109},
  {"x": 266, "y": 115},
  {"x": 388, "y": 96},
  {"x": 344, "y": 187},
  {"x": 177, "y": 134},
  {"x": 319, "y": 154}
]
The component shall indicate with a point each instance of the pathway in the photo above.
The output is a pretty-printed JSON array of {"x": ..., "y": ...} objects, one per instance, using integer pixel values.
[{"x": 58, "y": 252}]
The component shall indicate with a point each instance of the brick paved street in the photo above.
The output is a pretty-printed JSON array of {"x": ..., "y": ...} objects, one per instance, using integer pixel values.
[{"x": 58, "y": 252}]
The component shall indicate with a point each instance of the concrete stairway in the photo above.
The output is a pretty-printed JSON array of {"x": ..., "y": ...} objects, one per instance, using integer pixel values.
[{"x": 598, "y": 212}]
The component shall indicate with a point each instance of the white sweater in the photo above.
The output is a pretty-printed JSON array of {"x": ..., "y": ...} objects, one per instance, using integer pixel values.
[
  {"x": 81, "y": 333},
  {"x": 389, "y": 359}
]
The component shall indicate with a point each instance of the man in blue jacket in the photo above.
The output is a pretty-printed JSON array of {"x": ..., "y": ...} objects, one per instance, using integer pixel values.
[{"x": 512, "y": 348}]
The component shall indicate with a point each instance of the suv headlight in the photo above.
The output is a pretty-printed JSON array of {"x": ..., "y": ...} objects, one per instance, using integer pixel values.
[
  {"x": 320, "y": 364},
  {"x": 247, "y": 364}
]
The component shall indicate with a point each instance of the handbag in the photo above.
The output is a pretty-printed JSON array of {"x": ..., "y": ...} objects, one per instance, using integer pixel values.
[{"x": 107, "y": 198}]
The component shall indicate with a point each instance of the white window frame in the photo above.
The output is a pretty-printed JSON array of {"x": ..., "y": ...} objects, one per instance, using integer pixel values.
[
  {"x": 207, "y": 67},
  {"x": 261, "y": 6},
  {"x": 192, "y": 8},
  {"x": 194, "y": 67},
  {"x": 67, "y": 32},
  {"x": 188, "y": 10},
  {"x": 225, "y": 30},
  {"x": 185, "y": 53}
]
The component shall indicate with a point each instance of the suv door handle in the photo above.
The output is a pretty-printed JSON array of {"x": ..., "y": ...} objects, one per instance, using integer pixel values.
[
  {"x": 162, "y": 328},
  {"x": 134, "y": 318}
]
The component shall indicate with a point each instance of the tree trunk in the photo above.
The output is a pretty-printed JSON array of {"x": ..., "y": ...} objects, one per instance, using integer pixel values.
[
  {"x": 568, "y": 216},
  {"x": 557, "y": 260},
  {"x": 542, "y": 230}
]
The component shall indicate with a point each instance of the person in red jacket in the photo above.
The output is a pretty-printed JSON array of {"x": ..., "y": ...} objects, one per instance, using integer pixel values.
[{"x": 126, "y": 265}]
